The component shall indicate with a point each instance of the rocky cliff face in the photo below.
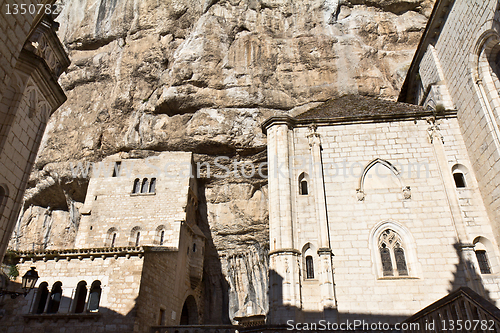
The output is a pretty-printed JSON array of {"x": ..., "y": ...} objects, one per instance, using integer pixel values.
[{"x": 149, "y": 76}]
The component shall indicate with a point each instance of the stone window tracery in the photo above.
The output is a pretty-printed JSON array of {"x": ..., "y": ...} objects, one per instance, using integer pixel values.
[
  {"x": 482, "y": 260},
  {"x": 392, "y": 252}
]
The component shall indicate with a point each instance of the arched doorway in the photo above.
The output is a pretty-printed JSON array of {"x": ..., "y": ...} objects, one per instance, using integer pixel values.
[{"x": 189, "y": 314}]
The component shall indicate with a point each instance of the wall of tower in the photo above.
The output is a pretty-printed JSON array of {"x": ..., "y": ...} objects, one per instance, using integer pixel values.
[
  {"x": 465, "y": 41},
  {"x": 111, "y": 206}
]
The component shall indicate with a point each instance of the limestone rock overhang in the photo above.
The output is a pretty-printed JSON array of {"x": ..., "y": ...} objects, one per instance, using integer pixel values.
[
  {"x": 350, "y": 109},
  {"x": 431, "y": 33},
  {"x": 105, "y": 252}
]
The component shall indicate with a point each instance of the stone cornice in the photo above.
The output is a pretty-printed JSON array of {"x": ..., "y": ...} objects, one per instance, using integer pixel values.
[
  {"x": 92, "y": 253},
  {"x": 284, "y": 251},
  {"x": 278, "y": 120},
  {"x": 408, "y": 116}
]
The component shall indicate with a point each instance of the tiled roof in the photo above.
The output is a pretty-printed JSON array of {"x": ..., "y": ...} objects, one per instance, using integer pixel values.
[{"x": 356, "y": 106}]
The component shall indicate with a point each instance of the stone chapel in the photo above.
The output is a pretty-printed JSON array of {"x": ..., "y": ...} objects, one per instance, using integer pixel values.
[{"x": 376, "y": 208}]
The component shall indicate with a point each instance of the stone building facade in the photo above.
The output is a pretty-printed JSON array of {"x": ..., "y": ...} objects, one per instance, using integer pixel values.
[
  {"x": 375, "y": 212},
  {"x": 457, "y": 66},
  {"x": 31, "y": 60},
  {"x": 137, "y": 259}
]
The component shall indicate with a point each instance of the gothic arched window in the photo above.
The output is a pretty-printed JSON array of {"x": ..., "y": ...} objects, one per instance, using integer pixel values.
[
  {"x": 309, "y": 267},
  {"x": 392, "y": 254}
]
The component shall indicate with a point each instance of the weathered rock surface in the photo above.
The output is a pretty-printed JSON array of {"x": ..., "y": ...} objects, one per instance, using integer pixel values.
[{"x": 201, "y": 76}]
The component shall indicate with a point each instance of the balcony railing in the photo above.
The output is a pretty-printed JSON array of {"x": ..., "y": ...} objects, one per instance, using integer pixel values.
[{"x": 461, "y": 311}]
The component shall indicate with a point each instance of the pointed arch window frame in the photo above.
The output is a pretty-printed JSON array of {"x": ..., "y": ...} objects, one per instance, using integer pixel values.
[
  {"x": 409, "y": 247},
  {"x": 406, "y": 190}
]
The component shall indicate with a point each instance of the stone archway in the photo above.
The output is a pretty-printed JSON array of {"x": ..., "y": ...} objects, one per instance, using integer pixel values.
[{"x": 189, "y": 314}]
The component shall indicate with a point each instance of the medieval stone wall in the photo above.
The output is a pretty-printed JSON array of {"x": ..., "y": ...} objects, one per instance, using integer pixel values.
[
  {"x": 418, "y": 199},
  {"x": 461, "y": 48}
]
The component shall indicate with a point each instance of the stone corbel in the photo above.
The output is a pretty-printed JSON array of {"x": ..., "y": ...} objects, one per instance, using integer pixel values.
[
  {"x": 434, "y": 130},
  {"x": 407, "y": 192},
  {"x": 314, "y": 137},
  {"x": 360, "y": 194}
]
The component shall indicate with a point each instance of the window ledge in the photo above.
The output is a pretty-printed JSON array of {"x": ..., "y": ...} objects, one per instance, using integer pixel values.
[
  {"x": 139, "y": 194},
  {"x": 63, "y": 316},
  {"x": 398, "y": 278},
  {"x": 310, "y": 280}
]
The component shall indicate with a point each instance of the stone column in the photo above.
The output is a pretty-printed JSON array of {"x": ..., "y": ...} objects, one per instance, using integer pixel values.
[
  {"x": 284, "y": 275},
  {"x": 464, "y": 249},
  {"x": 325, "y": 267}
]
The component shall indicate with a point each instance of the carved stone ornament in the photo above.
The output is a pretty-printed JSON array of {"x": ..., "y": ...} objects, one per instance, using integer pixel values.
[
  {"x": 434, "y": 130},
  {"x": 407, "y": 192},
  {"x": 360, "y": 195}
]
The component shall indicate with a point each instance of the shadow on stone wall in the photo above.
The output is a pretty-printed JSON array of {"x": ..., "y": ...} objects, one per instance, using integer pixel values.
[
  {"x": 216, "y": 287},
  {"x": 466, "y": 275},
  {"x": 16, "y": 315}
]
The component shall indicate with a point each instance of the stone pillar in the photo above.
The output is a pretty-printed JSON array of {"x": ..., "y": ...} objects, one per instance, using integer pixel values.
[
  {"x": 284, "y": 266},
  {"x": 325, "y": 267},
  {"x": 465, "y": 250}
]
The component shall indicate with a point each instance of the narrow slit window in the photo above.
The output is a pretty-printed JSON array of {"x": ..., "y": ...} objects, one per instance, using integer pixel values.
[
  {"x": 309, "y": 267},
  {"x": 113, "y": 239},
  {"x": 482, "y": 260},
  {"x": 152, "y": 185},
  {"x": 399, "y": 254},
  {"x": 137, "y": 186},
  {"x": 137, "y": 238},
  {"x": 162, "y": 237},
  {"x": 385, "y": 255},
  {"x": 144, "y": 188},
  {"x": 303, "y": 184},
  {"x": 459, "y": 179},
  {"x": 116, "y": 170},
  {"x": 303, "y": 187}
]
